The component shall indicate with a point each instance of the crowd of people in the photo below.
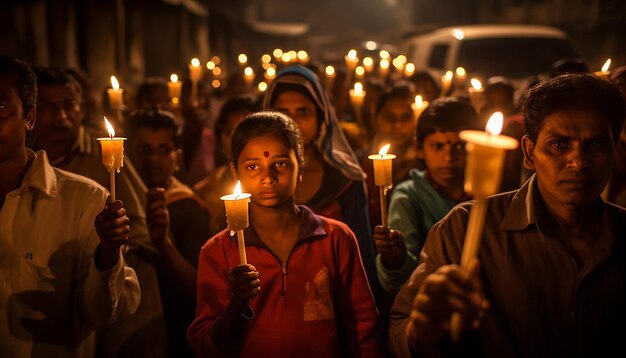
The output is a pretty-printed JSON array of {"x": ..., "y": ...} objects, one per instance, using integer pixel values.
[{"x": 157, "y": 273}]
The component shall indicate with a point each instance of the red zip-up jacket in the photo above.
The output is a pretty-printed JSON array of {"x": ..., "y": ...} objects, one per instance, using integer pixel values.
[{"x": 317, "y": 304}]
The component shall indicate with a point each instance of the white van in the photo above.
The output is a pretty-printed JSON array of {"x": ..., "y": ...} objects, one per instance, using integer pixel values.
[{"x": 513, "y": 51}]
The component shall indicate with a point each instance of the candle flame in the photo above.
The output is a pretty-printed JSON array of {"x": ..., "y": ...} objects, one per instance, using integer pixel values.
[
  {"x": 460, "y": 71},
  {"x": 237, "y": 190},
  {"x": 109, "y": 128},
  {"x": 174, "y": 77},
  {"x": 476, "y": 84},
  {"x": 270, "y": 72},
  {"x": 242, "y": 58},
  {"x": 458, "y": 34},
  {"x": 358, "y": 87},
  {"x": 494, "y": 125},
  {"x": 419, "y": 101},
  {"x": 266, "y": 58},
  {"x": 368, "y": 61},
  {"x": 195, "y": 62},
  {"x": 384, "y": 64},
  {"x": 114, "y": 83},
  {"x": 277, "y": 53},
  {"x": 359, "y": 71},
  {"x": 352, "y": 54},
  {"x": 409, "y": 68},
  {"x": 302, "y": 55},
  {"x": 448, "y": 76},
  {"x": 606, "y": 66},
  {"x": 210, "y": 65},
  {"x": 330, "y": 71},
  {"x": 248, "y": 72},
  {"x": 383, "y": 54},
  {"x": 262, "y": 86},
  {"x": 383, "y": 151}
]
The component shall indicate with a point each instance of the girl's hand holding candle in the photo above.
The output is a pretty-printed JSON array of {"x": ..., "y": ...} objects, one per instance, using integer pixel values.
[
  {"x": 483, "y": 173},
  {"x": 112, "y": 154},
  {"x": 383, "y": 178},
  {"x": 237, "y": 217}
]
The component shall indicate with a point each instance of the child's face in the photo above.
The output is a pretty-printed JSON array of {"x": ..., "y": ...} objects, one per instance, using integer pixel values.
[
  {"x": 154, "y": 155},
  {"x": 396, "y": 122},
  {"x": 444, "y": 156},
  {"x": 268, "y": 170}
]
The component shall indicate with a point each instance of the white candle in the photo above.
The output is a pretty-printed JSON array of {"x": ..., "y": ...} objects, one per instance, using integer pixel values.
[
  {"x": 195, "y": 73},
  {"x": 476, "y": 94},
  {"x": 418, "y": 106},
  {"x": 116, "y": 95},
  {"x": 174, "y": 88},
  {"x": 383, "y": 177},
  {"x": 483, "y": 173},
  {"x": 112, "y": 154},
  {"x": 248, "y": 75},
  {"x": 236, "y": 205},
  {"x": 446, "y": 82},
  {"x": 351, "y": 60}
]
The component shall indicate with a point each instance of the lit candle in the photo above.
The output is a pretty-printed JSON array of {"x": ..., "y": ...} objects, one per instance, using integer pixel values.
[
  {"x": 604, "y": 72},
  {"x": 357, "y": 95},
  {"x": 476, "y": 94},
  {"x": 351, "y": 60},
  {"x": 248, "y": 75},
  {"x": 368, "y": 64},
  {"x": 383, "y": 178},
  {"x": 446, "y": 82},
  {"x": 236, "y": 205},
  {"x": 242, "y": 59},
  {"x": 195, "y": 73},
  {"x": 116, "y": 96},
  {"x": 409, "y": 69},
  {"x": 174, "y": 88},
  {"x": 483, "y": 173},
  {"x": 384, "y": 67},
  {"x": 418, "y": 106},
  {"x": 262, "y": 86},
  {"x": 330, "y": 76},
  {"x": 359, "y": 72},
  {"x": 461, "y": 76},
  {"x": 112, "y": 154},
  {"x": 270, "y": 74},
  {"x": 303, "y": 56}
]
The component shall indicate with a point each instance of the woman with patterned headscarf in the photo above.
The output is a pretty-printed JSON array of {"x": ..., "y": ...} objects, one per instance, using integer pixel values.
[{"x": 332, "y": 181}]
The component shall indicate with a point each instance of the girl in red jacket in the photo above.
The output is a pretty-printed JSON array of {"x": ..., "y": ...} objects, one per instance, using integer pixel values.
[{"x": 305, "y": 293}]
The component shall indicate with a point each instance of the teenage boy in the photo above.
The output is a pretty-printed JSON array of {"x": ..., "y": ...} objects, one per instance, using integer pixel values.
[{"x": 418, "y": 203}]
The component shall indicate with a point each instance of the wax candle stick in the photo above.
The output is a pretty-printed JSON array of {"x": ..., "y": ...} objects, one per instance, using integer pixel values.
[
  {"x": 357, "y": 97},
  {"x": 383, "y": 178},
  {"x": 418, "y": 106},
  {"x": 604, "y": 72},
  {"x": 409, "y": 69},
  {"x": 351, "y": 60},
  {"x": 174, "y": 88},
  {"x": 368, "y": 64},
  {"x": 112, "y": 154},
  {"x": 116, "y": 98},
  {"x": 383, "y": 68},
  {"x": 461, "y": 76},
  {"x": 446, "y": 83},
  {"x": 330, "y": 77},
  {"x": 248, "y": 75},
  {"x": 236, "y": 205},
  {"x": 483, "y": 173},
  {"x": 195, "y": 73},
  {"x": 476, "y": 94}
]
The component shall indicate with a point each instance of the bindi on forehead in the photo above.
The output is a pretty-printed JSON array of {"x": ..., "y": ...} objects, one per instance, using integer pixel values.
[{"x": 266, "y": 154}]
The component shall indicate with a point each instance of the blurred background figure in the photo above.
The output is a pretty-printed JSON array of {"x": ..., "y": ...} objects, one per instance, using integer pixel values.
[{"x": 220, "y": 180}]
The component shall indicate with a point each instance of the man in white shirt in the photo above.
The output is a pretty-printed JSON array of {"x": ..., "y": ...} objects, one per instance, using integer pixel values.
[{"x": 62, "y": 274}]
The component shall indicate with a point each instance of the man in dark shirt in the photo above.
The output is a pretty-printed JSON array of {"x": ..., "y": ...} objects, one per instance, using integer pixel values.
[{"x": 551, "y": 278}]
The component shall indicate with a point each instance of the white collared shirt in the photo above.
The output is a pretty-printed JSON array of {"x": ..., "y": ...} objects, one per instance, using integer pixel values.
[{"x": 52, "y": 297}]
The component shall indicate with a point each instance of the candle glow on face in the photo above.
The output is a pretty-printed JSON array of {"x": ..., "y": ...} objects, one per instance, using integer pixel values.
[
  {"x": 114, "y": 84},
  {"x": 606, "y": 65},
  {"x": 494, "y": 125},
  {"x": 476, "y": 84}
]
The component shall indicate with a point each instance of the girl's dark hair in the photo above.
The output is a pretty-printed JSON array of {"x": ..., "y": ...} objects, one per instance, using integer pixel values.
[
  {"x": 402, "y": 90},
  {"x": 447, "y": 114},
  {"x": 267, "y": 123},
  {"x": 238, "y": 103},
  {"x": 153, "y": 119},
  {"x": 572, "y": 92}
]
